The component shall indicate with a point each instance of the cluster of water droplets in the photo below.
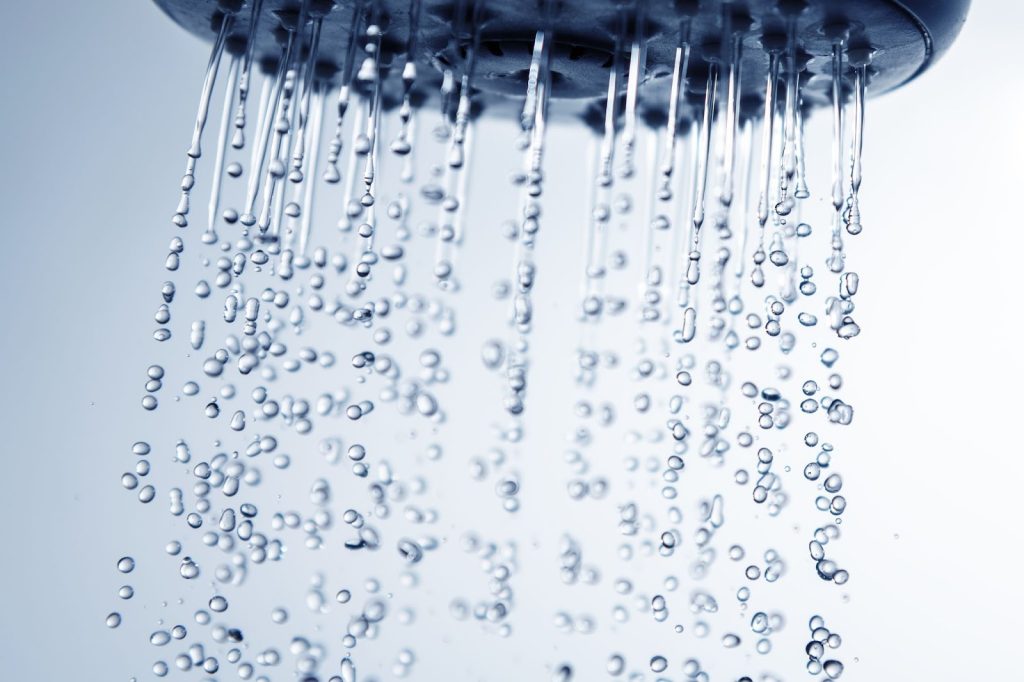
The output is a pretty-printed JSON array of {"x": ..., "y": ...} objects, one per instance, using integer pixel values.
[{"x": 329, "y": 361}]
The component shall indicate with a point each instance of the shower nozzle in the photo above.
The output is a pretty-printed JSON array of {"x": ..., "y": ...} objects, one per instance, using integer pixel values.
[
  {"x": 586, "y": 38},
  {"x": 673, "y": 68}
]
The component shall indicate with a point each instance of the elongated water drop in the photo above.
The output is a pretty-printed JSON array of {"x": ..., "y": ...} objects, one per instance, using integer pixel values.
[
  {"x": 529, "y": 114},
  {"x": 348, "y": 670},
  {"x": 605, "y": 176},
  {"x": 747, "y": 167},
  {"x": 680, "y": 69},
  {"x": 689, "y": 324},
  {"x": 637, "y": 59},
  {"x": 282, "y": 127},
  {"x": 837, "y": 124},
  {"x": 402, "y": 144},
  {"x": 704, "y": 153},
  {"x": 248, "y": 217},
  {"x": 238, "y": 139},
  {"x": 218, "y": 165},
  {"x": 450, "y": 209},
  {"x": 767, "y": 134},
  {"x": 853, "y": 225},
  {"x": 331, "y": 173},
  {"x": 732, "y": 104},
  {"x": 370, "y": 72},
  {"x": 195, "y": 148},
  {"x": 309, "y": 73},
  {"x": 802, "y": 191},
  {"x": 787, "y": 170},
  {"x": 767, "y": 137},
  {"x": 309, "y": 190},
  {"x": 703, "y": 162}
]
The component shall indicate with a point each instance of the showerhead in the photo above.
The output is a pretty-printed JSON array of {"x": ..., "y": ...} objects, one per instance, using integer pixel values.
[
  {"x": 900, "y": 39},
  {"x": 701, "y": 70}
]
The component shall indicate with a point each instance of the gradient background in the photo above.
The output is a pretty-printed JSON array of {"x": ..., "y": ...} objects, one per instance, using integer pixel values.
[{"x": 99, "y": 103}]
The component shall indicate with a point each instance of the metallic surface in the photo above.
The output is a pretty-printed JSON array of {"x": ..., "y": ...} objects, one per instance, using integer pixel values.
[{"x": 906, "y": 37}]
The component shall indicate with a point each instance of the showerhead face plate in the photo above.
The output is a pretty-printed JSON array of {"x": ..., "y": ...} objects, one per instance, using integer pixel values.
[{"x": 902, "y": 38}]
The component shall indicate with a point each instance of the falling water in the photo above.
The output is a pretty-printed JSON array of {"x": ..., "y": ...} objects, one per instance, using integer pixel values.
[
  {"x": 195, "y": 148},
  {"x": 245, "y": 78},
  {"x": 308, "y": 71},
  {"x": 331, "y": 173},
  {"x": 637, "y": 63},
  {"x": 360, "y": 485},
  {"x": 218, "y": 165}
]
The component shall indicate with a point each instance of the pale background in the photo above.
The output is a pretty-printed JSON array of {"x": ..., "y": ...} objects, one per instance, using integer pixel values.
[{"x": 99, "y": 100}]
